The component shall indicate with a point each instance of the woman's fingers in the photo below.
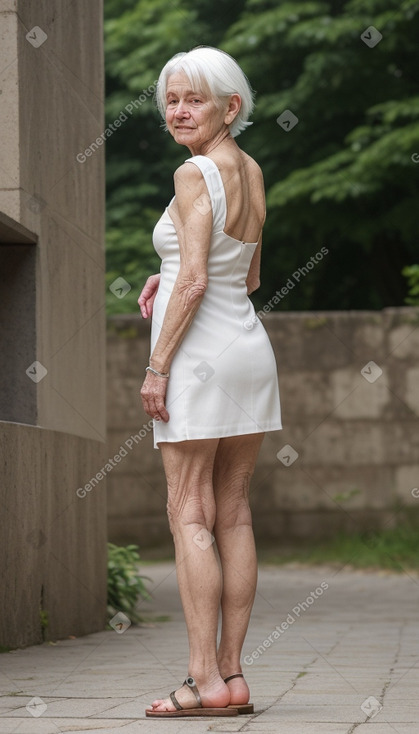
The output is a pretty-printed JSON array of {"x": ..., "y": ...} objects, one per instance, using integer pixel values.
[
  {"x": 143, "y": 303},
  {"x": 159, "y": 412},
  {"x": 156, "y": 410},
  {"x": 153, "y": 393},
  {"x": 148, "y": 294}
]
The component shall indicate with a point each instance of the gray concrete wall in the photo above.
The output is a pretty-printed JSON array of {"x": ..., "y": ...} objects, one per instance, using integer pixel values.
[
  {"x": 357, "y": 438},
  {"x": 51, "y": 108},
  {"x": 53, "y": 542}
]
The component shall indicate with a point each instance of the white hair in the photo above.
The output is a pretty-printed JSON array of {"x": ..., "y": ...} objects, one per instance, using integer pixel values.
[{"x": 214, "y": 73}]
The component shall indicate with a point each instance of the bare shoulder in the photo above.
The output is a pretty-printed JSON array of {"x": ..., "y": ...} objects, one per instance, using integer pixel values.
[
  {"x": 187, "y": 175},
  {"x": 190, "y": 187}
]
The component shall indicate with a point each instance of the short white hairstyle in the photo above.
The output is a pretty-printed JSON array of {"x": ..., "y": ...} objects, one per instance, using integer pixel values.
[{"x": 214, "y": 73}]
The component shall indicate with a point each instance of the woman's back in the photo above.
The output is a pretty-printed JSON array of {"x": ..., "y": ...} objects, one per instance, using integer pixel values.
[{"x": 244, "y": 192}]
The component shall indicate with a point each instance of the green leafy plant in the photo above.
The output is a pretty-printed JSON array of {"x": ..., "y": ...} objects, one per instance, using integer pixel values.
[
  {"x": 411, "y": 272},
  {"x": 125, "y": 585},
  {"x": 43, "y": 618}
]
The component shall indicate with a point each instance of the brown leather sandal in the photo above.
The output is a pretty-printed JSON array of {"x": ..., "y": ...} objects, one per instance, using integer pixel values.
[
  {"x": 242, "y": 708},
  {"x": 199, "y": 711}
]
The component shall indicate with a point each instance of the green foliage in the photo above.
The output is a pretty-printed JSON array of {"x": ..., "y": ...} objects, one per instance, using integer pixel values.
[
  {"x": 344, "y": 177},
  {"x": 342, "y": 497},
  {"x": 139, "y": 37},
  {"x": 43, "y": 618},
  {"x": 411, "y": 272},
  {"x": 125, "y": 585}
]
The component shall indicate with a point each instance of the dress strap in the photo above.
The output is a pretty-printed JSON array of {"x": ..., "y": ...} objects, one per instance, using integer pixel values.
[{"x": 215, "y": 186}]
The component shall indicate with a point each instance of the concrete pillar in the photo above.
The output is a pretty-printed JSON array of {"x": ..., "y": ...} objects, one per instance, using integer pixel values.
[{"x": 52, "y": 314}]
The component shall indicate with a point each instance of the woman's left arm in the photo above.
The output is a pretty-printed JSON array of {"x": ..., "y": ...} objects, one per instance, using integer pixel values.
[
  {"x": 192, "y": 218},
  {"x": 253, "y": 275}
]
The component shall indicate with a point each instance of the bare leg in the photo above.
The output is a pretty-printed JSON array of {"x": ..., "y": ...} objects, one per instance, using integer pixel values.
[
  {"x": 234, "y": 465},
  {"x": 191, "y": 508}
]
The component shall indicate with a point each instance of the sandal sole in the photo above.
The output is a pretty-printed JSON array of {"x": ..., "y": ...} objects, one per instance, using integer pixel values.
[
  {"x": 227, "y": 711},
  {"x": 242, "y": 708}
]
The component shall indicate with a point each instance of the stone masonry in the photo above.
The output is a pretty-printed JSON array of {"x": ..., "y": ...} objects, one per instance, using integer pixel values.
[{"x": 350, "y": 403}]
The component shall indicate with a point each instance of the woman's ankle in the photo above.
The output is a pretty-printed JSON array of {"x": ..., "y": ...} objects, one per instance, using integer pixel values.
[
  {"x": 208, "y": 673},
  {"x": 229, "y": 666}
]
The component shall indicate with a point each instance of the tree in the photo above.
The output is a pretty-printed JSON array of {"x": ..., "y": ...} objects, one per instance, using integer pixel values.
[{"x": 342, "y": 177}]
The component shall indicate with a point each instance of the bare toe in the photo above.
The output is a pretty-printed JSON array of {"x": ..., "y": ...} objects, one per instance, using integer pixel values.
[
  {"x": 163, "y": 704},
  {"x": 166, "y": 704}
]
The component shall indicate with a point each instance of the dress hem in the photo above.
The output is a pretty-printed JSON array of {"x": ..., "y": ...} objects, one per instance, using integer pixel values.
[{"x": 217, "y": 432}]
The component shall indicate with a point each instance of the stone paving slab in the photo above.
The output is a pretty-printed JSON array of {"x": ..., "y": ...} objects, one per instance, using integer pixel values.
[
  {"x": 278, "y": 728},
  {"x": 336, "y": 658}
]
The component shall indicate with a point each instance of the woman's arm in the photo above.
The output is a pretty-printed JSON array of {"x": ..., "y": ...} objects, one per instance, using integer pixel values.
[
  {"x": 253, "y": 276},
  {"x": 193, "y": 225},
  {"x": 194, "y": 231}
]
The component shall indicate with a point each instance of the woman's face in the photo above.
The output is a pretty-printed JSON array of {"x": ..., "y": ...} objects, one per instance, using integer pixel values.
[{"x": 192, "y": 118}]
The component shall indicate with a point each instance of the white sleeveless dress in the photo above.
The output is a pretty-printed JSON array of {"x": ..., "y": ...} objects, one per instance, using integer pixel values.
[{"x": 223, "y": 378}]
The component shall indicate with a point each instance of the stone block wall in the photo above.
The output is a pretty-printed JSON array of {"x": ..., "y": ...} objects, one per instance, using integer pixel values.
[{"x": 349, "y": 384}]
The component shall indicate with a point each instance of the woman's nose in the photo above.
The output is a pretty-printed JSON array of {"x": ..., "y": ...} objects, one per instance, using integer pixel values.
[{"x": 181, "y": 110}]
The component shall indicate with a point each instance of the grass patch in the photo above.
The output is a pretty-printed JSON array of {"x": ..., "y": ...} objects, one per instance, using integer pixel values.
[{"x": 396, "y": 549}]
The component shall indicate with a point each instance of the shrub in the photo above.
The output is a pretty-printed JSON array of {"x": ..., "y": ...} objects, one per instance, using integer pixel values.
[
  {"x": 411, "y": 272},
  {"x": 125, "y": 585}
]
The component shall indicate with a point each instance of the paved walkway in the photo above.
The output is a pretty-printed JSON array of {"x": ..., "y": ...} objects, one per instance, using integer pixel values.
[{"x": 328, "y": 652}]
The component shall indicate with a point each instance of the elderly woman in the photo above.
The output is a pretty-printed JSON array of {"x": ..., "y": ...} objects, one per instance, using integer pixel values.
[{"x": 211, "y": 384}]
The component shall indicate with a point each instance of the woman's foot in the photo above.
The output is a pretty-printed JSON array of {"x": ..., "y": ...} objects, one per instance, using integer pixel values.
[
  {"x": 214, "y": 694},
  {"x": 239, "y": 690}
]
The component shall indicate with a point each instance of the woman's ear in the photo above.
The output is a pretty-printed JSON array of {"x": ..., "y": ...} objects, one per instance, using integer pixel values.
[{"x": 233, "y": 108}]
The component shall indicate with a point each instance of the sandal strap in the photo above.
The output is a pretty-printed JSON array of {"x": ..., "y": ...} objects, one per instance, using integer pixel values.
[
  {"x": 236, "y": 675},
  {"x": 175, "y": 701},
  {"x": 190, "y": 682}
]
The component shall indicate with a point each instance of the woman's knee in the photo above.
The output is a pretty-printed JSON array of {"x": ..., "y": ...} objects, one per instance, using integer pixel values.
[
  {"x": 190, "y": 508},
  {"x": 232, "y": 498},
  {"x": 233, "y": 512}
]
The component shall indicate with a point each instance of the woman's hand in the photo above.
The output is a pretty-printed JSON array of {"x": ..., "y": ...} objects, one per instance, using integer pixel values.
[
  {"x": 148, "y": 295},
  {"x": 153, "y": 394}
]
